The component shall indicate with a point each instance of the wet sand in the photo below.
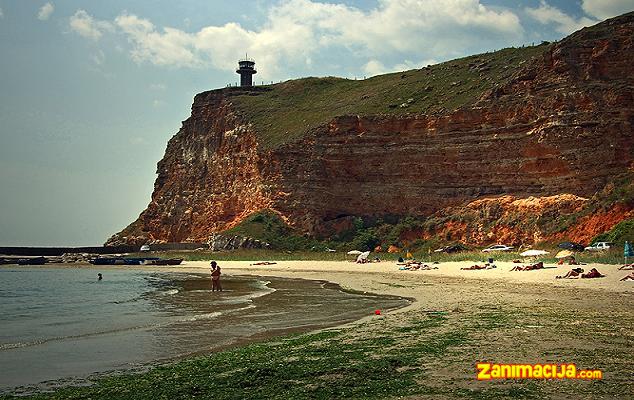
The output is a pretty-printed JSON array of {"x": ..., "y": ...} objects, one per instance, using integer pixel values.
[{"x": 445, "y": 287}]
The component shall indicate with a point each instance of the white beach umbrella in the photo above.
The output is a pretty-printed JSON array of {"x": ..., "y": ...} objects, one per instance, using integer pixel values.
[
  {"x": 564, "y": 254},
  {"x": 534, "y": 253},
  {"x": 363, "y": 256}
]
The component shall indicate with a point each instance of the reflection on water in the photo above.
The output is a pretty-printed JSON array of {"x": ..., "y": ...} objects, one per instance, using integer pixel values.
[{"x": 59, "y": 323}]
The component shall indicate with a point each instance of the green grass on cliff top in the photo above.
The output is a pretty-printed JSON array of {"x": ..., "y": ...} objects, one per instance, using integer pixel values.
[{"x": 289, "y": 110}]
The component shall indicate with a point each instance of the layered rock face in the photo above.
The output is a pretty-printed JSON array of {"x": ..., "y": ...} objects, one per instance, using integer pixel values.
[
  {"x": 562, "y": 125},
  {"x": 208, "y": 180}
]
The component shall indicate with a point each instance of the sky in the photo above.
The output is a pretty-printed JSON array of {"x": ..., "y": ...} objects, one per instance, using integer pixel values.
[{"x": 91, "y": 91}]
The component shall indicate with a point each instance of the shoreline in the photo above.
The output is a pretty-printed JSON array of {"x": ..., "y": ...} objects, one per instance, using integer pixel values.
[
  {"x": 384, "y": 278},
  {"x": 301, "y": 325},
  {"x": 458, "y": 318}
]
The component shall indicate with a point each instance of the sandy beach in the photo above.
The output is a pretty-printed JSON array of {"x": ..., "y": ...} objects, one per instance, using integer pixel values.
[
  {"x": 444, "y": 288},
  {"x": 361, "y": 276},
  {"x": 529, "y": 317}
]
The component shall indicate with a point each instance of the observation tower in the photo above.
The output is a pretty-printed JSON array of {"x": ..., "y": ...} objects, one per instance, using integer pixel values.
[{"x": 246, "y": 69}]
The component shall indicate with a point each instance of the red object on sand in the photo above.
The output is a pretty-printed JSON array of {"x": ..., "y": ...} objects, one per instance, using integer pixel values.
[{"x": 377, "y": 312}]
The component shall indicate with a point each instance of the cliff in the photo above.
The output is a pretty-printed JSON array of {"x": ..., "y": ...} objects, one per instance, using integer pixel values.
[{"x": 483, "y": 148}]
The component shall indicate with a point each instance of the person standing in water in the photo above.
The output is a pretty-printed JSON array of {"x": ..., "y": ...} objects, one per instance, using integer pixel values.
[
  {"x": 215, "y": 277},
  {"x": 99, "y": 277}
]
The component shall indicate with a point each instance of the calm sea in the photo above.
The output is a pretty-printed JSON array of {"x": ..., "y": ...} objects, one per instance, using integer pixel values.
[{"x": 62, "y": 324}]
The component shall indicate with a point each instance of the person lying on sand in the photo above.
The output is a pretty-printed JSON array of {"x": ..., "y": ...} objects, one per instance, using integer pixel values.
[
  {"x": 410, "y": 263},
  {"x": 417, "y": 267},
  {"x": 592, "y": 274},
  {"x": 474, "y": 267},
  {"x": 477, "y": 267},
  {"x": 539, "y": 265},
  {"x": 572, "y": 274},
  {"x": 627, "y": 267},
  {"x": 630, "y": 277},
  {"x": 263, "y": 263}
]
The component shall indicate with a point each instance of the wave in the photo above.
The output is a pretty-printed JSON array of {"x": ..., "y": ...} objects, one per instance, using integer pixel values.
[
  {"x": 262, "y": 289},
  {"x": 130, "y": 300},
  {"x": 200, "y": 317},
  {"x": 248, "y": 298},
  {"x": 8, "y": 346},
  {"x": 215, "y": 314}
]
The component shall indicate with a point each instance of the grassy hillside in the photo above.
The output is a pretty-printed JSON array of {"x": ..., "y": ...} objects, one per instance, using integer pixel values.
[
  {"x": 268, "y": 227},
  {"x": 288, "y": 110}
]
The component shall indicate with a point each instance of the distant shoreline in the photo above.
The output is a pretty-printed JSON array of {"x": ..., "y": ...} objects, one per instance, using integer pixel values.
[{"x": 59, "y": 250}]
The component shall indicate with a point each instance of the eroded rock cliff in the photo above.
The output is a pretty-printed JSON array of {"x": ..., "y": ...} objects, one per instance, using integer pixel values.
[{"x": 545, "y": 135}]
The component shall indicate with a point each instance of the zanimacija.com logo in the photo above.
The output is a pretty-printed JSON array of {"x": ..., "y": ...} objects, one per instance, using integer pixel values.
[{"x": 489, "y": 371}]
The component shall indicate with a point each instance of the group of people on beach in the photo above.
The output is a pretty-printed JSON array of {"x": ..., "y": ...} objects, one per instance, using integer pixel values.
[
  {"x": 572, "y": 274},
  {"x": 579, "y": 273}
]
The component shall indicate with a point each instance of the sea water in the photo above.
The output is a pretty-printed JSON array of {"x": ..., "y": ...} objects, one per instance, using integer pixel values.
[{"x": 62, "y": 323}]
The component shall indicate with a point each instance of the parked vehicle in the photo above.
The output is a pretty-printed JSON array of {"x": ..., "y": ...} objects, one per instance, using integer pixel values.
[
  {"x": 572, "y": 246},
  {"x": 497, "y": 247},
  {"x": 145, "y": 247},
  {"x": 598, "y": 246}
]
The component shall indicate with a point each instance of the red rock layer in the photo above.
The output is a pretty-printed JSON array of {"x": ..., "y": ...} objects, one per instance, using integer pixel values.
[{"x": 208, "y": 180}]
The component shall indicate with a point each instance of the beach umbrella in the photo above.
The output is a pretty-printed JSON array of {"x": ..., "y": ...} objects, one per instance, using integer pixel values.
[
  {"x": 564, "y": 254},
  {"x": 628, "y": 251},
  {"x": 533, "y": 253},
  {"x": 354, "y": 253},
  {"x": 363, "y": 256}
]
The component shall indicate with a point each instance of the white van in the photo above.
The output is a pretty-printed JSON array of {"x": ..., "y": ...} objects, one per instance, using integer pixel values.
[{"x": 598, "y": 246}]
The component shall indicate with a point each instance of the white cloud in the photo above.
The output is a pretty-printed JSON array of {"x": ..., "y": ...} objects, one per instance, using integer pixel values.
[
  {"x": 376, "y": 67},
  {"x": 603, "y": 9},
  {"x": 1, "y": 13},
  {"x": 45, "y": 11},
  {"x": 158, "y": 86},
  {"x": 85, "y": 25},
  {"x": 564, "y": 23},
  {"x": 171, "y": 47},
  {"x": 296, "y": 33}
]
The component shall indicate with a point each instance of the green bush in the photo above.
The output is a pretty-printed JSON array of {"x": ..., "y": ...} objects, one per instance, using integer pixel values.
[
  {"x": 365, "y": 241},
  {"x": 268, "y": 227},
  {"x": 623, "y": 231}
]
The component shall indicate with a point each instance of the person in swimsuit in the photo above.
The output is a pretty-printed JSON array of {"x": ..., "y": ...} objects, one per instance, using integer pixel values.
[{"x": 215, "y": 277}]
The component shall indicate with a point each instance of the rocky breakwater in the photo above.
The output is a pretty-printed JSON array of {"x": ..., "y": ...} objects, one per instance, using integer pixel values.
[{"x": 562, "y": 124}]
